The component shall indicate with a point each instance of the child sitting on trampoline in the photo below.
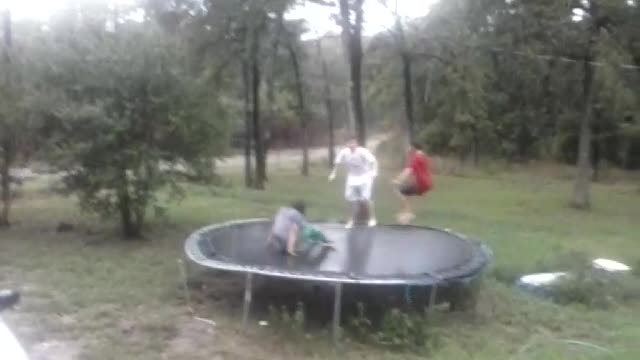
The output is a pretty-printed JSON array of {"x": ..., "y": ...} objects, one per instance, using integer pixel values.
[
  {"x": 415, "y": 180},
  {"x": 290, "y": 226}
]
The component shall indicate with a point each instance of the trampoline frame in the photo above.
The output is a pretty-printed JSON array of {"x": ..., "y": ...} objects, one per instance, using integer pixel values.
[{"x": 481, "y": 254}]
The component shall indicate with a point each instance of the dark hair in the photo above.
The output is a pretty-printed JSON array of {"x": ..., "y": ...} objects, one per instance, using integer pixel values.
[
  {"x": 300, "y": 206},
  {"x": 416, "y": 145}
]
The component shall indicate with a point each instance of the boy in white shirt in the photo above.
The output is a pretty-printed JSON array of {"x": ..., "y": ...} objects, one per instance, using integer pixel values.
[{"x": 362, "y": 168}]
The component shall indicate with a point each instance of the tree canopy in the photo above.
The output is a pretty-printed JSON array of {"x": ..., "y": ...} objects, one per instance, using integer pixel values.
[{"x": 120, "y": 97}]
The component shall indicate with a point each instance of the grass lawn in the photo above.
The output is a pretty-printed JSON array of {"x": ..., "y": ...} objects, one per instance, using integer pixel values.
[{"x": 88, "y": 295}]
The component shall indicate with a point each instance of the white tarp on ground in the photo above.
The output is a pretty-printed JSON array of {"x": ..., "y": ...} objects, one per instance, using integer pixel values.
[
  {"x": 10, "y": 348},
  {"x": 542, "y": 279},
  {"x": 610, "y": 265},
  {"x": 540, "y": 284}
]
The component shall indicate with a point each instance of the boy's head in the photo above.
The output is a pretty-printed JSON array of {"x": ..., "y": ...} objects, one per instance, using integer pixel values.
[
  {"x": 415, "y": 146},
  {"x": 352, "y": 144},
  {"x": 300, "y": 206}
]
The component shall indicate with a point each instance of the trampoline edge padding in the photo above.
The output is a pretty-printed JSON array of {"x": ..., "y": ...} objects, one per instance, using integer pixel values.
[{"x": 477, "y": 259}]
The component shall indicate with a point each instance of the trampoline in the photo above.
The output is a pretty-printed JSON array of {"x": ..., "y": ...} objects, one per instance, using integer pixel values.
[{"x": 381, "y": 256}]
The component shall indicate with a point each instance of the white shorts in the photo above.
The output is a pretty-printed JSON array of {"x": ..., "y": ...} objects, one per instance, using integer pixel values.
[{"x": 359, "y": 192}]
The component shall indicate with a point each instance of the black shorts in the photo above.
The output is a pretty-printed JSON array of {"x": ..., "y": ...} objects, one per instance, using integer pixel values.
[{"x": 409, "y": 190}]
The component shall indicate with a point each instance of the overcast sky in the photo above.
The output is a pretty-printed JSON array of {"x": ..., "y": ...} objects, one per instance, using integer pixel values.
[{"x": 377, "y": 17}]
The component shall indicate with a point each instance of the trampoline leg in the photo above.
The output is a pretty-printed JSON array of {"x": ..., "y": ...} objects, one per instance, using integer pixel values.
[
  {"x": 247, "y": 300},
  {"x": 432, "y": 298},
  {"x": 337, "y": 308},
  {"x": 185, "y": 282}
]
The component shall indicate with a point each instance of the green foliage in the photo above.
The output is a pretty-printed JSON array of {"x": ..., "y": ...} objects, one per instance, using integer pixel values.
[
  {"x": 293, "y": 322},
  {"x": 400, "y": 330},
  {"x": 591, "y": 287},
  {"x": 134, "y": 118},
  {"x": 597, "y": 290},
  {"x": 585, "y": 285},
  {"x": 567, "y": 261},
  {"x": 21, "y": 102},
  {"x": 636, "y": 268},
  {"x": 508, "y": 274},
  {"x": 360, "y": 325},
  {"x": 519, "y": 213},
  {"x": 505, "y": 78}
]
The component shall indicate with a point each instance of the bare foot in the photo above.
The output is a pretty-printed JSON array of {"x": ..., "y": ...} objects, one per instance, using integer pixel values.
[{"x": 405, "y": 218}]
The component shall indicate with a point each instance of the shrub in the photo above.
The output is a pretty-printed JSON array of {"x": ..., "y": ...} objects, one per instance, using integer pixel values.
[
  {"x": 401, "y": 330},
  {"x": 289, "y": 321}
]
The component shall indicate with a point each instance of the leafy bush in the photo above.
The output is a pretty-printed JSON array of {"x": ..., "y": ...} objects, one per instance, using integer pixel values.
[
  {"x": 636, "y": 268},
  {"x": 401, "y": 330},
  {"x": 585, "y": 285},
  {"x": 289, "y": 321},
  {"x": 569, "y": 261},
  {"x": 507, "y": 274},
  {"x": 597, "y": 291},
  {"x": 588, "y": 286},
  {"x": 398, "y": 330},
  {"x": 133, "y": 120},
  {"x": 360, "y": 325}
]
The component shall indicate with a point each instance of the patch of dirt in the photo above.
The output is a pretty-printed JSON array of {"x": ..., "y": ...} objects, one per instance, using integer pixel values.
[
  {"x": 193, "y": 341},
  {"x": 200, "y": 340}
]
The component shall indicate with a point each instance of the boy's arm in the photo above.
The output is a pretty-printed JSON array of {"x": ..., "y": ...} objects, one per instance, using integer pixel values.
[
  {"x": 293, "y": 237},
  {"x": 337, "y": 162},
  {"x": 373, "y": 162},
  {"x": 406, "y": 172}
]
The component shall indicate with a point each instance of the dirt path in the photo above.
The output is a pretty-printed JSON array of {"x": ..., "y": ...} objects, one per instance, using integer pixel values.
[{"x": 292, "y": 158}]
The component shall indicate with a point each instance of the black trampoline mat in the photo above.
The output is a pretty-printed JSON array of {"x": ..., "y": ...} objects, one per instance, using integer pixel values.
[{"x": 368, "y": 253}]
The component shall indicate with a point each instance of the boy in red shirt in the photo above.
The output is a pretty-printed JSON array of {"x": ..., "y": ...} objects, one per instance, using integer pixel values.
[{"x": 415, "y": 180}]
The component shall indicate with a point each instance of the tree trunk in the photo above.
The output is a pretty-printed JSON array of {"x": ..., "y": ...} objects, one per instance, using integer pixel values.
[
  {"x": 269, "y": 121},
  {"x": 5, "y": 179},
  {"x": 130, "y": 228},
  {"x": 257, "y": 126},
  {"x": 476, "y": 147},
  {"x": 301, "y": 108},
  {"x": 596, "y": 147},
  {"x": 550, "y": 101},
  {"x": 408, "y": 95},
  {"x": 357, "y": 75},
  {"x": 248, "y": 134},
  {"x": 352, "y": 36},
  {"x": 328, "y": 104},
  {"x": 422, "y": 82},
  {"x": 270, "y": 83},
  {"x": 407, "y": 80},
  {"x": 7, "y": 148},
  {"x": 582, "y": 186}
]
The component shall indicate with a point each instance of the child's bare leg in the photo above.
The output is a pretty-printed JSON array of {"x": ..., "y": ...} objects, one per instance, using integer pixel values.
[
  {"x": 372, "y": 213},
  {"x": 406, "y": 202},
  {"x": 291, "y": 247},
  {"x": 291, "y": 242},
  {"x": 353, "y": 212}
]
